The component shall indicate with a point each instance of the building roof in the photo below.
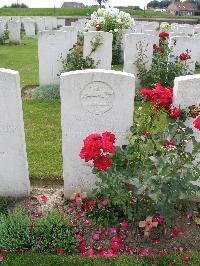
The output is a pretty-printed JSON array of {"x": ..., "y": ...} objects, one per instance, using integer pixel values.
[
  {"x": 72, "y": 4},
  {"x": 182, "y": 6}
]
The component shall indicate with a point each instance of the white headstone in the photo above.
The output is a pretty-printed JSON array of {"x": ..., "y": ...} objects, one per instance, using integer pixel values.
[
  {"x": 14, "y": 28},
  {"x": 92, "y": 101},
  {"x": 72, "y": 32},
  {"x": 103, "y": 53},
  {"x": 2, "y": 27},
  {"x": 14, "y": 180},
  {"x": 179, "y": 45},
  {"x": 50, "y": 23},
  {"x": 52, "y": 45},
  {"x": 29, "y": 27},
  {"x": 40, "y": 23},
  {"x": 187, "y": 93},
  {"x": 133, "y": 43}
]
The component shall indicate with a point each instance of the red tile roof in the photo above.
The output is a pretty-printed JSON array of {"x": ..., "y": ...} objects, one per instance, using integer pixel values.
[{"x": 185, "y": 6}]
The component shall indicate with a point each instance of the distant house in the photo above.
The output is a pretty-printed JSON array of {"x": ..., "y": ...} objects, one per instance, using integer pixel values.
[
  {"x": 178, "y": 8},
  {"x": 72, "y": 4}
]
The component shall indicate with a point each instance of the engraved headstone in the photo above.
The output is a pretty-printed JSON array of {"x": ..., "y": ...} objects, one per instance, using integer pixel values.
[
  {"x": 14, "y": 180},
  {"x": 52, "y": 45},
  {"x": 102, "y": 55},
  {"x": 92, "y": 101}
]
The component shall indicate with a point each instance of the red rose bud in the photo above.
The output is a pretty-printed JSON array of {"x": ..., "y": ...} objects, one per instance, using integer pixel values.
[
  {"x": 98, "y": 27},
  {"x": 174, "y": 112},
  {"x": 155, "y": 46}
]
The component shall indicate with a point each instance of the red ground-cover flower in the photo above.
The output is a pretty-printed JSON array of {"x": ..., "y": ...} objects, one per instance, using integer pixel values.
[
  {"x": 174, "y": 233},
  {"x": 197, "y": 123},
  {"x": 159, "y": 96},
  {"x": 59, "y": 250},
  {"x": 1, "y": 258},
  {"x": 43, "y": 198},
  {"x": 185, "y": 258},
  {"x": 163, "y": 35}
]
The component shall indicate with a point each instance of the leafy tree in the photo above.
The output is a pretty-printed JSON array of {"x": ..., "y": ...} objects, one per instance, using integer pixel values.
[
  {"x": 159, "y": 4},
  {"x": 16, "y": 5},
  {"x": 101, "y": 2}
]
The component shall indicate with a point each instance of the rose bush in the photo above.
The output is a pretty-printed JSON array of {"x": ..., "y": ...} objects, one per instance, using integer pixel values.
[
  {"x": 162, "y": 69},
  {"x": 153, "y": 174}
]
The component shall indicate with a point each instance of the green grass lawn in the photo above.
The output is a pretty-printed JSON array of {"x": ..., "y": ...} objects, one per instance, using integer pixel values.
[
  {"x": 79, "y": 12},
  {"x": 43, "y": 137},
  {"x": 23, "y": 58},
  {"x": 31, "y": 259}
]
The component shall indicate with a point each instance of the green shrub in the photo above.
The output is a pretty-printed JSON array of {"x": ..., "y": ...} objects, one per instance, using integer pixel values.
[
  {"x": 5, "y": 203},
  {"x": 53, "y": 231},
  {"x": 162, "y": 69},
  {"x": 46, "y": 92},
  {"x": 76, "y": 61},
  {"x": 15, "y": 231}
]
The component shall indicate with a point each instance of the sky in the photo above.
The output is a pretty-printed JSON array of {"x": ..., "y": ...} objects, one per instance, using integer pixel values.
[{"x": 58, "y": 3}]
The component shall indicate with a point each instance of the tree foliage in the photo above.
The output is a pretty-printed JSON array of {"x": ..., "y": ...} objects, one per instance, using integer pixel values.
[{"x": 159, "y": 4}]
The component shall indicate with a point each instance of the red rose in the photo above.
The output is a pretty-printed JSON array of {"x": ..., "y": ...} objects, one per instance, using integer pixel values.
[
  {"x": 163, "y": 35},
  {"x": 102, "y": 163},
  {"x": 159, "y": 96},
  {"x": 184, "y": 56},
  {"x": 174, "y": 112},
  {"x": 197, "y": 123}
]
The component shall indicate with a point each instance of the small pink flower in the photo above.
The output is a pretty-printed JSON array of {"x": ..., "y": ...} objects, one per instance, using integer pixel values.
[
  {"x": 155, "y": 240},
  {"x": 112, "y": 230},
  {"x": 189, "y": 215},
  {"x": 89, "y": 252},
  {"x": 124, "y": 225},
  {"x": 104, "y": 233},
  {"x": 1, "y": 258},
  {"x": 105, "y": 201},
  {"x": 109, "y": 253},
  {"x": 43, "y": 198},
  {"x": 95, "y": 236},
  {"x": 181, "y": 230}
]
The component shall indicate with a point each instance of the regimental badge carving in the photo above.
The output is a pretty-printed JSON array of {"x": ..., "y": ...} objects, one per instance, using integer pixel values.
[{"x": 97, "y": 97}]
